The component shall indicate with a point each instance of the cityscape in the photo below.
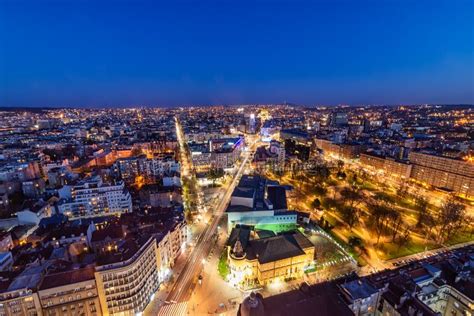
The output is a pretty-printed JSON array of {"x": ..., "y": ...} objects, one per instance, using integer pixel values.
[
  {"x": 236, "y": 158},
  {"x": 237, "y": 210}
]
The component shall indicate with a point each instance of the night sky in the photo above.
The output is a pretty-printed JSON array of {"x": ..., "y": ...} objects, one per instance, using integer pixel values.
[{"x": 127, "y": 53}]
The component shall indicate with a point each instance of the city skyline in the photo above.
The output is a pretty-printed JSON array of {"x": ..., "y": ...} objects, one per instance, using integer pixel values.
[{"x": 111, "y": 54}]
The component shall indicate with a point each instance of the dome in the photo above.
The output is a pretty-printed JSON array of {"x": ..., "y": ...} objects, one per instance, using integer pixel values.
[
  {"x": 238, "y": 251},
  {"x": 252, "y": 305}
]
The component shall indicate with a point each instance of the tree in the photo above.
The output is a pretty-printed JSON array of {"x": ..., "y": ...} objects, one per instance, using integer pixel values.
[
  {"x": 421, "y": 204},
  {"x": 363, "y": 174},
  {"x": 402, "y": 189},
  {"x": 215, "y": 174},
  {"x": 321, "y": 172},
  {"x": 380, "y": 215},
  {"x": 350, "y": 215},
  {"x": 323, "y": 223},
  {"x": 329, "y": 203},
  {"x": 353, "y": 178},
  {"x": 404, "y": 237},
  {"x": 340, "y": 165},
  {"x": 223, "y": 266},
  {"x": 341, "y": 175},
  {"x": 279, "y": 173},
  {"x": 189, "y": 216},
  {"x": 316, "y": 203},
  {"x": 320, "y": 190},
  {"x": 397, "y": 221},
  {"x": 450, "y": 218},
  {"x": 351, "y": 198},
  {"x": 355, "y": 242}
]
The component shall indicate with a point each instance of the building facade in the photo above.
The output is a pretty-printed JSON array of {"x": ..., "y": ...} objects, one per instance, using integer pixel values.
[
  {"x": 443, "y": 172},
  {"x": 68, "y": 293},
  {"x": 267, "y": 260},
  {"x": 126, "y": 286},
  {"x": 93, "y": 197}
]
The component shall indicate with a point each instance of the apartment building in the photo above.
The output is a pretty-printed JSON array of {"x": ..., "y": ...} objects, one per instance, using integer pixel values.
[
  {"x": 127, "y": 277},
  {"x": 344, "y": 150},
  {"x": 272, "y": 156},
  {"x": 93, "y": 197},
  {"x": 20, "y": 301},
  {"x": 220, "y": 153},
  {"x": 447, "y": 299},
  {"x": 70, "y": 292},
  {"x": 361, "y": 297},
  {"x": 151, "y": 169},
  {"x": 443, "y": 172},
  {"x": 387, "y": 165}
]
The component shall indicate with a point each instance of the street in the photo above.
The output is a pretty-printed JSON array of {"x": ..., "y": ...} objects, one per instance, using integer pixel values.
[{"x": 182, "y": 288}]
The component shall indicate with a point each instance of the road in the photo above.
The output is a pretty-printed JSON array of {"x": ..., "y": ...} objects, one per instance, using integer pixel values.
[{"x": 182, "y": 288}]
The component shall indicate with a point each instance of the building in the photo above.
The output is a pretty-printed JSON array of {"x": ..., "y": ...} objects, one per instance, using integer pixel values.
[
  {"x": 261, "y": 261},
  {"x": 6, "y": 261},
  {"x": 33, "y": 188},
  {"x": 6, "y": 241},
  {"x": 151, "y": 169},
  {"x": 337, "y": 119},
  {"x": 361, "y": 297},
  {"x": 322, "y": 299},
  {"x": 299, "y": 136},
  {"x": 387, "y": 165},
  {"x": 130, "y": 168},
  {"x": 4, "y": 202},
  {"x": 344, "y": 150},
  {"x": 156, "y": 195},
  {"x": 447, "y": 173},
  {"x": 272, "y": 157},
  {"x": 19, "y": 296},
  {"x": 450, "y": 291},
  {"x": 127, "y": 277},
  {"x": 19, "y": 302},
  {"x": 170, "y": 245},
  {"x": 57, "y": 177},
  {"x": 104, "y": 238},
  {"x": 252, "y": 124},
  {"x": 221, "y": 153},
  {"x": 35, "y": 213},
  {"x": 93, "y": 197},
  {"x": 70, "y": 292},
  {"x": 259, "y": 202}
]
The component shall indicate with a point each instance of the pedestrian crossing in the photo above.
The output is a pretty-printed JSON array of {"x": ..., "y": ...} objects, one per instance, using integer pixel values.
[{"x": 177, "y": 309}]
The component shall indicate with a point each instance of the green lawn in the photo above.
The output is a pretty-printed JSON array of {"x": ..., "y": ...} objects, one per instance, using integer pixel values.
[
  {"x": 392, "y": 251},
  {"x": 459, "y": 238}
]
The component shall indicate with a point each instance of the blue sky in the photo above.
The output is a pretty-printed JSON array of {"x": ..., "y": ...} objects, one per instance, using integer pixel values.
[{"x": 123, "y": 53}]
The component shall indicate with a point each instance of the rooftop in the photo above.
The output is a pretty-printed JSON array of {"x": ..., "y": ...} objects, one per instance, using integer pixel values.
[
  {"x": 67, "y": 277},
  {"x": 323, "y": 298}
]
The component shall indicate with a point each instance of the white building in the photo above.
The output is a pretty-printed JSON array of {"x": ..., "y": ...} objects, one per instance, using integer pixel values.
[
  {"x": 128, "y": 284},
  {"x": 93, "y": 197},
  {"x": 34, "y": 214}
]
